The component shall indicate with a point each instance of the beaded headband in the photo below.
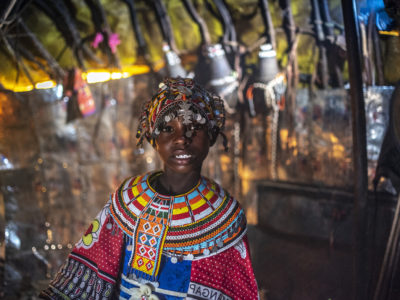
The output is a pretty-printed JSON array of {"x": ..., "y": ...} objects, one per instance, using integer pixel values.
[{"x": 181, "y": 97}]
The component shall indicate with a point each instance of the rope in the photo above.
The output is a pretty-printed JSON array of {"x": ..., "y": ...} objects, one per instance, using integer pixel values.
[{"x": 273, "y": 92}]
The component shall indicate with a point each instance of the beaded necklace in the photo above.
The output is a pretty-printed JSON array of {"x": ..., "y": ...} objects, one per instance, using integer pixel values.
[{"x": 197, "y": 224}]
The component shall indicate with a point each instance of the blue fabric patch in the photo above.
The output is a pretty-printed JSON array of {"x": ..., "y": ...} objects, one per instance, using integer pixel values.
[
  {"x": 123, "y": 295},
  {"x": 127, "y": 256},
  {"x": 174, "y": 277}
]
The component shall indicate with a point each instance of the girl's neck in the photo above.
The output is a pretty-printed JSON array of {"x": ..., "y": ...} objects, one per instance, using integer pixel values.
[{"x": 172, "y": 183}]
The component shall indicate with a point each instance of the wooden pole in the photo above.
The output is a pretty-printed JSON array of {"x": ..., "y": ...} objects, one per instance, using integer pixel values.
[{"x": 360, "y": 261}]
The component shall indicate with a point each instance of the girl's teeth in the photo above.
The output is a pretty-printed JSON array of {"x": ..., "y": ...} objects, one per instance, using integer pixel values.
[{"x": 183, "y": 156}]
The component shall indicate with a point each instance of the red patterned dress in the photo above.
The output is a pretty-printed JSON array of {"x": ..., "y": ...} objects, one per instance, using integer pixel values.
[{"x": 144, "y": 245}]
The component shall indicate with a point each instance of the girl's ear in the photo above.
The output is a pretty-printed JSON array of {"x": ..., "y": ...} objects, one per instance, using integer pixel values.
[
  {"x": 213, "y": 137},
  {"x": 212, "y": 142}
]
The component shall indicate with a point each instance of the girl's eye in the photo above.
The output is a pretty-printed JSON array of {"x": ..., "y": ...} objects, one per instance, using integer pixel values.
[
  {"x": 197, "y": 127},
  {"x": 167, "y": 129}
]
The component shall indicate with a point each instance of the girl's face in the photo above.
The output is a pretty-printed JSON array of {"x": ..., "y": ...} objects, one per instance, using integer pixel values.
[{"x": 182, "y": 154}]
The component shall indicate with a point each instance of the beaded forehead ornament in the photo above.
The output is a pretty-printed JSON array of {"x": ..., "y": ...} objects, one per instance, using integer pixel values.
[{"x": 181, "y": 97}]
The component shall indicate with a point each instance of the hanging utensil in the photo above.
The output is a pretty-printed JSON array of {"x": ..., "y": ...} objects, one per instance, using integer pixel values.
[{"x": 173, "y": 62}]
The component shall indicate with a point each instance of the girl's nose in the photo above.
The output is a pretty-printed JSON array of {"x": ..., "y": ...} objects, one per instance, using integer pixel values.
[{"x": 180, "y": 135}]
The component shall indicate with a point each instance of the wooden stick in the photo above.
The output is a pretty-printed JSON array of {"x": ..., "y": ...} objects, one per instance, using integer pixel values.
[{"x": 205, "y": 35}]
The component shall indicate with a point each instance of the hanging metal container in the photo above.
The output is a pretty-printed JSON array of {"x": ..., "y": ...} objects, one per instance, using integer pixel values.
[
  {"x": 267, "y": 87},
  {"x": 268, "y": 64},
  {"x": 173, "y": 63},
  {"x": 222, "y": 80}
]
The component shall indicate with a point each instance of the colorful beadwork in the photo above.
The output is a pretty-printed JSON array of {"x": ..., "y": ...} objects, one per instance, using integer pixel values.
[
  {"x": 202, "y": 222},
  {"x": 181, "y": 97},
  {"x": 190, "y": 246},
  {"x": 149, "y": 237}
]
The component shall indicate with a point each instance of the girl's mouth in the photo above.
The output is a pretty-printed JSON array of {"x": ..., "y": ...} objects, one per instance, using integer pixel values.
[{"x": 183, "y": 156}]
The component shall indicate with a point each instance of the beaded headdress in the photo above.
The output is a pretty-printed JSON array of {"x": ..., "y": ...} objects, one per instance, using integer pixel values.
[{"x": 181, "y": 97}]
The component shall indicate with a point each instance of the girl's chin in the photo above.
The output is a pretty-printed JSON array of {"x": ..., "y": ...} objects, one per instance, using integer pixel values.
[{"x": 185, "y": 169}]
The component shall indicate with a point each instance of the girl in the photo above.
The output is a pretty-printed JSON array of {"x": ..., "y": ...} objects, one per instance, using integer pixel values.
[{"x": 170, "y": 234}]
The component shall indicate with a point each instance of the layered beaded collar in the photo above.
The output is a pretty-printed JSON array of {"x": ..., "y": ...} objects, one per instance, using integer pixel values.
[{"x": 201, "y": 222}]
